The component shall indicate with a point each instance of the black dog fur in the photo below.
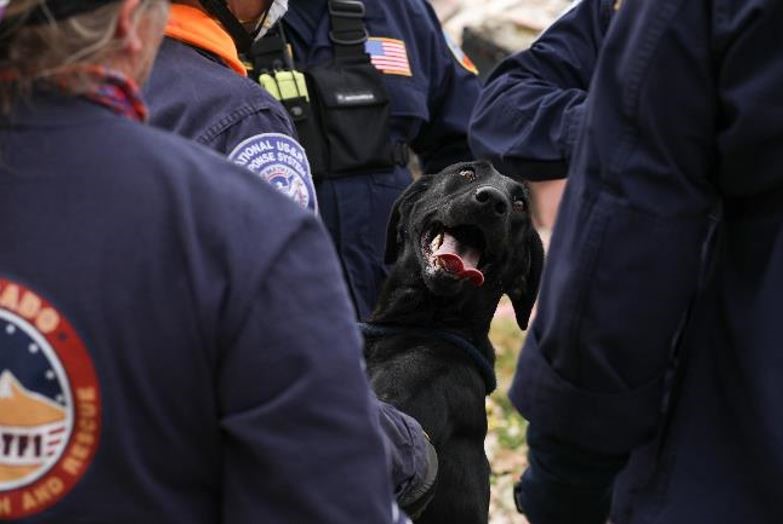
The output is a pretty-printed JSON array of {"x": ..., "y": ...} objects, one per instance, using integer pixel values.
[{"x": 427, "y": 376}]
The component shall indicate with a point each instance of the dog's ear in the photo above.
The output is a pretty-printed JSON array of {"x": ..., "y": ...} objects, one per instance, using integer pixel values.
[
  {"x": 522, "y": 288},
  {"x": 395, "y": 230}
]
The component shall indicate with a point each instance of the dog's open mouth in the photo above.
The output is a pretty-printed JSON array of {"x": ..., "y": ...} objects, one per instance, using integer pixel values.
[{"x": 455, "y": 251}]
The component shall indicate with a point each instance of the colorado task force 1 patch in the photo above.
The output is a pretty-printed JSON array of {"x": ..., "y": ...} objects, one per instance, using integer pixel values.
[
  {"x": 281, "y": 161},
  {"x": 50, "y": 407}
]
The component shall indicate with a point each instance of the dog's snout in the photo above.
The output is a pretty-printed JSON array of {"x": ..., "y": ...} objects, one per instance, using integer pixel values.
[{"x": 492, "y": 199}]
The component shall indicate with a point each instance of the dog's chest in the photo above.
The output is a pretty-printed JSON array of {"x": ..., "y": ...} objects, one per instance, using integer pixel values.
[{"x": 429, "y": 380}]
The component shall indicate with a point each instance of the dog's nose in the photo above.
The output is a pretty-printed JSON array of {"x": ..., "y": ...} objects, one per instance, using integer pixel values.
[{"x": 492, "y": 200}]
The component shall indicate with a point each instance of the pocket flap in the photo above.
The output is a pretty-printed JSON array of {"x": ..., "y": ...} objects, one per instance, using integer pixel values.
[{"x": 348, "y": 85}]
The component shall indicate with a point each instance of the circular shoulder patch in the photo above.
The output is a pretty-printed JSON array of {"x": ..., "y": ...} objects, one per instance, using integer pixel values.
[
  {"x": 281, "y": 161},
  {"x": 50, "y": 407}
]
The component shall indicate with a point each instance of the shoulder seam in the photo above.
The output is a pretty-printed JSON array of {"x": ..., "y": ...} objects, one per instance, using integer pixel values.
[{"x": 233, "y": 118}]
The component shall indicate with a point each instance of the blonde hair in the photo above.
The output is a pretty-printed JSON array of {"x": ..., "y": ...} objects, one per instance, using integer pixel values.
[{"x": 35, "y": 53}]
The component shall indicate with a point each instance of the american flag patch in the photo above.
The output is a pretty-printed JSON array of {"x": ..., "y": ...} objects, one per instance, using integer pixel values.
[{"x": 389, "y": 56}]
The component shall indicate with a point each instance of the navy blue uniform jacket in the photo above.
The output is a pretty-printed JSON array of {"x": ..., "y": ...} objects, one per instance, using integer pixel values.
[
  {"x": 685, "y": 117},
  {"x": 196, "y": 94},
  {"x": 226, "y": 383},
  {"x": 530, "y": 110},
  {"x": 429, "y": 110},
  {"x": 193, "y": 92}
]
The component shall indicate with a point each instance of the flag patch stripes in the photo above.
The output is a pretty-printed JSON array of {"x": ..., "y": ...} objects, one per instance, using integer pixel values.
[{"x": 389, "y": 56}]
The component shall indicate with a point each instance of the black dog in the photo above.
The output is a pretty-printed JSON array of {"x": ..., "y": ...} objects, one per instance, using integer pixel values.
[{"x": 459, "y": 240}]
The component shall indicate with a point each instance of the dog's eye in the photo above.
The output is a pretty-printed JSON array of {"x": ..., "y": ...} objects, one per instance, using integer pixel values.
[
  {"x": 519, "y": 205},
  {"x": 468, "y": 174}
]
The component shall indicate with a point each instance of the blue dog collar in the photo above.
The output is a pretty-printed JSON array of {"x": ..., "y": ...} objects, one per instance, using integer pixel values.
[{"x": 482, "y": 363}]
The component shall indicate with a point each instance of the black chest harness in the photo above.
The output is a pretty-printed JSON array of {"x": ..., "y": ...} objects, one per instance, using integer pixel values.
[
  {"x": 482, "y": 363},
  {"x": 340, "y": 108}
]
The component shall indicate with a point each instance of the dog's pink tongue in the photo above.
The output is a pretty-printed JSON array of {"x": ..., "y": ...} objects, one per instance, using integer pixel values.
[{"x": 463, "y": 266}]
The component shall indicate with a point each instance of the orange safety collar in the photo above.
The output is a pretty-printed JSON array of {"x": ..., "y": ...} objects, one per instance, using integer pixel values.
[{"x": 193, "y": 26}]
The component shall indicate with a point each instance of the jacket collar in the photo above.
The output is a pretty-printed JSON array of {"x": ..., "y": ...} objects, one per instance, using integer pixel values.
[{"x": 193, "y": 26}]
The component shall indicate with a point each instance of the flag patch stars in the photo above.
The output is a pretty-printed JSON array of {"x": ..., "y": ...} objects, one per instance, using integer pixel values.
[{"x": 389, "y": 56}]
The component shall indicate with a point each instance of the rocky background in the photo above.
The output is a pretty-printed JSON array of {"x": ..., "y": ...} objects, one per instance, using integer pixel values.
[
  {"x": 489, "y": 30},
  {"x": 508, "y": 24}
]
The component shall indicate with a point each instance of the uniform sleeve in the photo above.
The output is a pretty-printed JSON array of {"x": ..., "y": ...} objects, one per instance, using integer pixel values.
[
  {"x": 244, "y": 123},
  {"x": 414, "y": 462},
  {"x": 265, "y": 142},
  {"x": 443, "y": 139},
  {"x": 625, "y": 254},
  {"x": 301, "y": 434},
  {"x": 530, "y": 110}
]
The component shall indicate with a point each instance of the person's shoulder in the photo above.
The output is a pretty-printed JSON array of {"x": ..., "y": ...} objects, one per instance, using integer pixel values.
[
  {"x": 416, "y": 11},
  {"x": 404, "y": 6},
  {"x": 189, "y": 74},
  {"x": 222, "y": 216},
  {"x": 156, "y": 158},
  {"x": 413, "y": 21},
  {"x": 161, "y": 147},
  {"x": 194, "y": 95}
]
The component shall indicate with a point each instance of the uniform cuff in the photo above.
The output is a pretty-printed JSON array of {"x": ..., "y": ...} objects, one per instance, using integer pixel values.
[
  {"x": 545, "y": 500},
  {"x": 610, "y": 423}
]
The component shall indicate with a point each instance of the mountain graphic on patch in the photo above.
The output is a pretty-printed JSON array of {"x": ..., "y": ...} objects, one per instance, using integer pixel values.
[{"x": 32, "y": 429}]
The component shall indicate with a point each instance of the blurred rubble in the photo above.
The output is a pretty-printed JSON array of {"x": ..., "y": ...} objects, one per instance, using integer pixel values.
[{"x": 492, "y": 29}]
